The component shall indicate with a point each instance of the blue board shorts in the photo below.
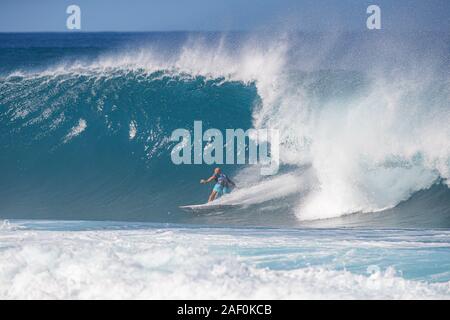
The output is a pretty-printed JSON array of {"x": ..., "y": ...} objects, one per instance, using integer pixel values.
[{"x": 220, "y": 189}]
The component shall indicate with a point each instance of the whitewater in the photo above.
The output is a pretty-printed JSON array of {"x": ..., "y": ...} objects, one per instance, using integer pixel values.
[
  {"x": 98, "y": 260},
  {"x": 89, "y": 197}
]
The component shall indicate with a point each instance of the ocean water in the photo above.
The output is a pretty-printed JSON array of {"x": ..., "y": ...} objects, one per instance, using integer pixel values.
[
  {"x": 89, "y": 196},
  {"x": 91, "y": 260}
]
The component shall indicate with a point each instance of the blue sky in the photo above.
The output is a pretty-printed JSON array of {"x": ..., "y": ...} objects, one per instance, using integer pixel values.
[{"x": 223, "y": 15}]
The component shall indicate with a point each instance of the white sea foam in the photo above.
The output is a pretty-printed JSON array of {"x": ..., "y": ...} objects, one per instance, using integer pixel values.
[
  {"x": 133, "y": 130},
  {"x": 269, "y": 189},
  {"x": 76, "y": 130},
  {"x": 180, "y": 264},
  {"x": 6, "y": 225}
]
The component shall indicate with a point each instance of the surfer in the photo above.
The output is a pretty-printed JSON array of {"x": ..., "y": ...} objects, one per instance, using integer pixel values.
[{"x": 223, "y": 184}]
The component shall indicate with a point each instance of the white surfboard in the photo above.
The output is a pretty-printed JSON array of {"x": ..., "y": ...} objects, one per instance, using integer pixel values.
[{"x": 208, "y": 208}]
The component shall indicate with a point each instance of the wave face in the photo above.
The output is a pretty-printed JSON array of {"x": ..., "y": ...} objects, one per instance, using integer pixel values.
[{"x": 85, "y": 122}]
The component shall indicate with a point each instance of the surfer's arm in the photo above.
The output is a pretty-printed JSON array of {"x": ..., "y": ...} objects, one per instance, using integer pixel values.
[
  {"x": 208, "y": 180},
  {"x": 231, "y": 182}
]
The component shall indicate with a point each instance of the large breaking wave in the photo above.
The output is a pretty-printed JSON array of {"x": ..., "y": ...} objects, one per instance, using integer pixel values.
[{"x": 88, "y": 137}]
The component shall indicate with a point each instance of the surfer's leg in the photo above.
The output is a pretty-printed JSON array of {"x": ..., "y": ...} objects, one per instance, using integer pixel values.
[
  {"x": 212, "y": 196},
  {"x": 217, "y": 191}
]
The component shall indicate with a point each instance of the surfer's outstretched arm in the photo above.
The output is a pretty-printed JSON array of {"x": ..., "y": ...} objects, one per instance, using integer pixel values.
[{"x": 212, "y": 178}]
